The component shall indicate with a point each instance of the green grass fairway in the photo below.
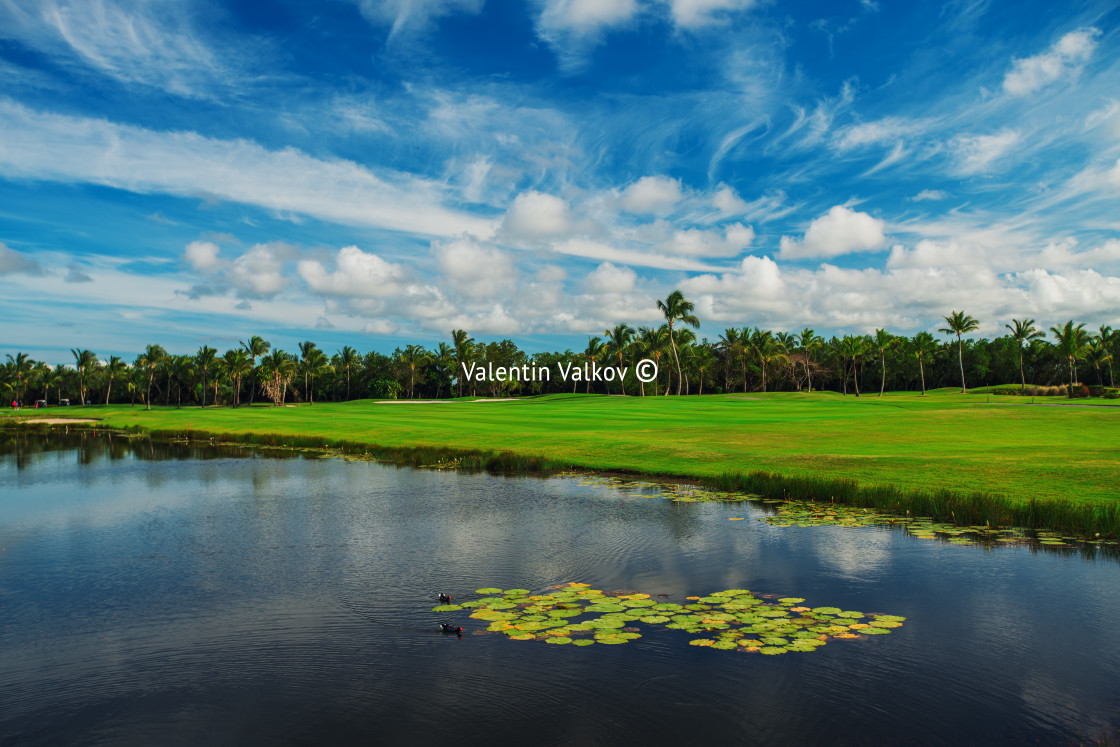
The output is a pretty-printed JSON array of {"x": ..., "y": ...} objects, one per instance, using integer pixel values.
[{"x": 941, "y": 441}]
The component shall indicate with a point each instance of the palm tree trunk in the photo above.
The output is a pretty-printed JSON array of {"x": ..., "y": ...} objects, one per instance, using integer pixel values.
[
  {"x": 1022, "y": 376},
  {"x": 922, "y": 370},
  {"x": 108, "y": 389},
  {"x": 855, "y": 376},
  {"x": 960, "y": 359},
  {"x": 348, "y": 383},
  {"x": 676, "y": 358},
  {"x": 883, "y": 383},
  {"x": 763, "y": 375}
]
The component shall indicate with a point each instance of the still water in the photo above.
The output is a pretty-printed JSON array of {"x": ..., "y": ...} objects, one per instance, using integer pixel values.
[{"x": 165, "y": 594}]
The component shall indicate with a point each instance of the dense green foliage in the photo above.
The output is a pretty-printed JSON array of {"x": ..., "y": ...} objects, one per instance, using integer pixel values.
[{"x": 740, "y": 360}]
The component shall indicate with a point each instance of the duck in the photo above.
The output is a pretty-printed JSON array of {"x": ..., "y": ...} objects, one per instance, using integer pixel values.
[
  {"x": 447, "y": 628},
  {"x": 444, "y": 598}
]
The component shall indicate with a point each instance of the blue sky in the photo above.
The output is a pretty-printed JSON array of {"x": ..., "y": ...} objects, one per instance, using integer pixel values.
[{"x": 378, "y": 172}]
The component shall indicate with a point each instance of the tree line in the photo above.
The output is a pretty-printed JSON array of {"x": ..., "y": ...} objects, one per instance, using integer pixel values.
[{"x": 740, "y": 360}]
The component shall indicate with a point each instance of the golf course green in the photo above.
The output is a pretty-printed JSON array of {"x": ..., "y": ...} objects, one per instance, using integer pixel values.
[{"x": 971, "y": 458}]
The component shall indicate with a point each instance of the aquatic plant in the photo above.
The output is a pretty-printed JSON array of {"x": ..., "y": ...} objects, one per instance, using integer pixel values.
[{"x": 722, "y": 620}]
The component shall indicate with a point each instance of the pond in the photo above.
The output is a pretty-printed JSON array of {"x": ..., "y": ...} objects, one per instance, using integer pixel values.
[{"x": 171, "y": 594}]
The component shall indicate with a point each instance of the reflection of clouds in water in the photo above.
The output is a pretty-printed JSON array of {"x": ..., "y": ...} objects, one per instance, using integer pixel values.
[{"x": 854, "y": 553}]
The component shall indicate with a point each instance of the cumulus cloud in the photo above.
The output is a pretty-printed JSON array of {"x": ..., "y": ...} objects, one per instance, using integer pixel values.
[
  {"x": 1064, "y": 59},
  {"x": 608, "y": 278},
  {"x": 977, "y": 153},
  {"x": 357, "y": 273},
  {"x": 379, "y": 327},
  {"x": 535, "y": 216},
  {"x": 839, "y": 231},
  {"x": 574, "y": 27},
  {"x": 202, "y": 255},
  {"x": 728, "y": 202},
  {"x": 656, "y": 195},
  {"x": 12, "y": 261},
  {"x": 756, "y": 285},
  {"x": 929, "y": 194},
  {"x": 474, "y": 269},
  {"x": 259, "y": 271},
  {"x": 696, "y": 242}
]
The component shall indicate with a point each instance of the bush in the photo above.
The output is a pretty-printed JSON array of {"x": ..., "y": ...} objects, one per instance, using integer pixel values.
[{"x": 1111, "y": 394}]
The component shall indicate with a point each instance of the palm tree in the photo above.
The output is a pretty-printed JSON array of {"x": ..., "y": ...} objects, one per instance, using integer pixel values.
[
  {"x": 1073, "y": 343},
  {"x": 317, "y": 364},
  {"x": 594, "y": 350},
  {"x": 767, "y": 349},
  {"x": 348, "y": 357},
  {"x": 150, "y": 359},
  {"x": 180, "y": 368},
  {"x": 652, "y": 344},
  {"x": 733, "y": 344},
  {"x": 676, "y": 308},
  {"x": 924, "y": 347},
  {"x": 850, "y": 348},
  {"x": 413, "y": 357},
  {"x": 807, "y": 342},
  {"x": 1109, "y": 340},
  {"x": 113, "y": 368},
  {"x": 255, "y": 347},
  {"x": 959, "y": 324},
  {"x": 1098, "y": 354},
  {"x": 19, "y": 367},
  {"x": 236, "y": 363},
  {"x": 703, "y": 359},
  {"x": 882, "y": 341},
  {"x": 84, "y": 361},
  {"x": 1022, "y": 333},
  {"x": 464, "y": 350},
  {"x": 205, "y": 359},
  {"x": 275, "y": 373},
  {"x": 305, "y": 350},
  {"x": 443, "y": 360},
  {"x": 619, "y": 339},
  {"x": 686, "y": 340}
]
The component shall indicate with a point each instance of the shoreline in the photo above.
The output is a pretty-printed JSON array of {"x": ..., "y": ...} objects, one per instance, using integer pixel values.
[{"x": 963, "y": 508}]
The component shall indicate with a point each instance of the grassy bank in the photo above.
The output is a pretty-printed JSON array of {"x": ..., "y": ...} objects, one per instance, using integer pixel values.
[{"x": 953, "y": 457}]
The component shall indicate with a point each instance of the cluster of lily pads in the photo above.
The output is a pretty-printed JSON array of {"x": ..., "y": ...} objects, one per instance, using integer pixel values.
[
  {"x": 794, "y": 513},
  {"x": 813, "y": 514},
  {"x": 731, "y": 620}
]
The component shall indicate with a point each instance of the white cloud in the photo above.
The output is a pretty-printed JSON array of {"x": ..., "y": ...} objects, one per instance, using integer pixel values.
[
  {"x": 930, "y": 194},
  {"x": 839, "y": 231},
  {"x": 695, "y": 242},
  {"x": 695, "y": 13},
  {"x": 1062, "y": 254},
  {"x": 656, "y": 195},
  {"x": 379, "y": 327},
  {"x": 413, "y": 15},
  {"x": 12, "y": 261},
  {"x": 202, "y": 255},
  {"x": 728, "y": 202},
  {"x": 888, "y": 130},
  {"x": 357, "y": 273},
  {"x": 608, "y": 278},
  {"x": 756, "y": 285},
  {"x": 151, "y": 43},
  {"x": 1113, "y": 174},
  {"x": 1064, "y": 59},
  {"x": 584, "y": 17},
  {"x": 477, "y": 271},
  {"x": 75, "y": 149},
  {"x": 537, "y": 216},
  {"x": 574, "y": 27},
  {"x": 258, "y": 272},
  {"x": 977, "y": 153}
]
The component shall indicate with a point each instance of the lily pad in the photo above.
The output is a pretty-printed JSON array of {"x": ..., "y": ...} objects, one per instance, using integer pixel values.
[
  {"x": 488, "y": 590},
  {"x": 447, "y": 608},
  {"x": 559, "y": 640}
]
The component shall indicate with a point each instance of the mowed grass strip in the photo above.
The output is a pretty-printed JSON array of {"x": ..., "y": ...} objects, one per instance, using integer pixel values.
[{"x": 962, "y": 444}]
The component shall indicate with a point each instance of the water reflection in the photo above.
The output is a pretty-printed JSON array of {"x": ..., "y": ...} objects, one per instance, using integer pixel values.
[{"x": 174, "y": 593}]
